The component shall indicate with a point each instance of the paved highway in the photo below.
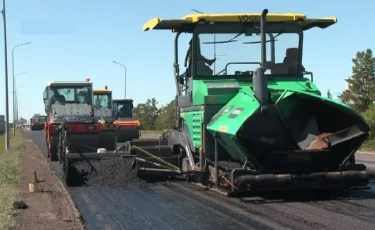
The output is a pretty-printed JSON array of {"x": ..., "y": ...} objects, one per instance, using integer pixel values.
[{"x": 184, "y": 206}]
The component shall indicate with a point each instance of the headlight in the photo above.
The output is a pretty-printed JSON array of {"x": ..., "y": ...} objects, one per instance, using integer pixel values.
[{"x": 90, "y": 127}]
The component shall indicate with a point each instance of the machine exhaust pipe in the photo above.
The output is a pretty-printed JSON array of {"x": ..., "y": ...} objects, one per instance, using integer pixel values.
[
  {"x": 263, "y": 26},
  {"x": 260, "y": 80}
]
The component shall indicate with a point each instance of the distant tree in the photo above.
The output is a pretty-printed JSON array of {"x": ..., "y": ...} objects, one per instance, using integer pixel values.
[
  {"x": 147, "y": 114},
  {"x": 329, "y": 95},
  {"x": 167, "y": 116},
  {"x": 369, "y": 116},
  {"x": 153, "y": 118},
  {"x": 361, "y": 92}
]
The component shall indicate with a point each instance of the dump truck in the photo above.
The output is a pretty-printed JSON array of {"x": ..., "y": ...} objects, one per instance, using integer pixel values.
[
  {"x": 263, "y": 129},
  {"x": 69, "y": 103},
  {"x": 128, "y": 128},
  {"x": 37, "y": 122},
  {"x": 103, "y": 112}
]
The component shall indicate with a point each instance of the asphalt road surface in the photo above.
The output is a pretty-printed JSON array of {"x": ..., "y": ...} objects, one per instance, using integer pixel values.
[{"x": 185, "y": 206}]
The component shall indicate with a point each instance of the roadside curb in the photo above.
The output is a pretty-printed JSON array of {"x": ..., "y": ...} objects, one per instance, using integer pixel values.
[
  {"x": 74, "y": 210},
  {"x": 366, "y": 152}
]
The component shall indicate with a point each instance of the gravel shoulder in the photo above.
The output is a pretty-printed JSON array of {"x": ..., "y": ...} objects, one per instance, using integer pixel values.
[{"x": 52, "y": 206}]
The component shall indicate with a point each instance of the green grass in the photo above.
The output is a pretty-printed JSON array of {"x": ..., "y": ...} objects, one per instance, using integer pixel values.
[
  {"x": 151, "y": 131},
  {"x": 368, "y": 146},
  {"x": 9, "y": 178}
]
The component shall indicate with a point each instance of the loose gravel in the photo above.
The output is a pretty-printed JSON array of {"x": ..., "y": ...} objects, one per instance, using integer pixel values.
[{"x": 114, "y": 172}]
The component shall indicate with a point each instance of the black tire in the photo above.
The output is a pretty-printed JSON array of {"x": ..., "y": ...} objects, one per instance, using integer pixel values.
[
  {"x": 112, "y": 144},
  {"x": 66, "y": 168},
  {"x": 121, "y": 139},
  {"x": 53, "y": 155},
  {"x": 47, "y": 147},
  {"x": 108, "y": 142}
]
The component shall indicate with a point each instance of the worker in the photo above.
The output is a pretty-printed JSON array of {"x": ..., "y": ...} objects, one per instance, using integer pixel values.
[
  {"x": 125, "y": 111},
  {"x": 97, "y": 102},
  {"x": 202, "y": 68},
  {"x": 57, "y": 97},
  {"x": 83, "y": 97},
  {"x": 122, "y": 111}
]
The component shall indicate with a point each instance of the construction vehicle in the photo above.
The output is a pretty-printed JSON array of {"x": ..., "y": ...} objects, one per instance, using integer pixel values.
[
  {"x": 264, "y": 130},
  {"x": 37, "y": 122},
  {"x": 103, "y": 112},
  {"x": 127, "y": 127},
  {"x": 70, "y": 103}
]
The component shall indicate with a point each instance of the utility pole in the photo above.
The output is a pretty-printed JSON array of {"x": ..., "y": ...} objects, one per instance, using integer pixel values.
[
  {"x": 18, "y": 95},
  {"x": 215, "y": 54},
  {"x": 16, "y": 101},
  {"x": 6, "y": 80},
  {"x": 14, "y": 87},
  {"x": 125, "y": 73}
]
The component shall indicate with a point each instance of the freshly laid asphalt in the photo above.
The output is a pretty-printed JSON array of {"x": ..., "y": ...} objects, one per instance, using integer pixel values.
[{"x": 185, "y": 206}]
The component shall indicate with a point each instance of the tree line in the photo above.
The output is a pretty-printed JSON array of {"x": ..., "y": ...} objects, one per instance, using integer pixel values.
[
  {"x": 361, "y": 92},
  {"x": 155, "y": 117}
]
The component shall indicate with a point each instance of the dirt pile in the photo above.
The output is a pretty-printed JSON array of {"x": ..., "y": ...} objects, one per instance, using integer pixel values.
[
  {"x": 113, "y": 172},
  {"x": 319, "y": 142}
]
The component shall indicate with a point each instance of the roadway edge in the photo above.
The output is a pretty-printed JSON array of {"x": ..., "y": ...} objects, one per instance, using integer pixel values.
[
  {"x": 366, "y": 152},
  {"x": 75, "y": 210}
]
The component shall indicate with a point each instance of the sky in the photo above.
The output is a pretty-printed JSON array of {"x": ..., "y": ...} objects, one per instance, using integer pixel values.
[{"x": 76, "y": 39}]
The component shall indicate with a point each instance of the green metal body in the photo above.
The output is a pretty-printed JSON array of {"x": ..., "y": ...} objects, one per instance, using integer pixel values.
[
  {"x": 268, "y": 129},
  {"x": 216, "y": 101}
]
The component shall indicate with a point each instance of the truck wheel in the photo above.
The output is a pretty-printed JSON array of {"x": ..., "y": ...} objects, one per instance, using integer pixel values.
[
  {"x": 121, "y": 139},
  {"x": 52, "y": 152},
  {"x": 48, "y": 151},
  {"x": 67, "y": 170},
  {"x": 111, "y": 144},
  {"x": 47, "y": 147}
]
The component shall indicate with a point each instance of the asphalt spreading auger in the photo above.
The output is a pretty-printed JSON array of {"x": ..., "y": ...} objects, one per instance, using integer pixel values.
[{"x": 248, "y": 130}]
